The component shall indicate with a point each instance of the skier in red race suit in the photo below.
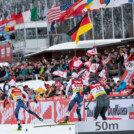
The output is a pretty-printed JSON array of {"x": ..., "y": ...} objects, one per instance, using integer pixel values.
[
  {"x": 77, "y": 85},
  {"x": 17, "y": 97},
  {"x": 102, "y": 101}
]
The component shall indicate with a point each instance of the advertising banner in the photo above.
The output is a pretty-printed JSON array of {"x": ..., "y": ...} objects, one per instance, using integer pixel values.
[
  {"x": 119, "y": 109},
  {"x": 51, "y": 109}
]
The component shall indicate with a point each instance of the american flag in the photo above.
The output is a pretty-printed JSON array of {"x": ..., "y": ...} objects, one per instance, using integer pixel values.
[{"x": 54, "y": 13}]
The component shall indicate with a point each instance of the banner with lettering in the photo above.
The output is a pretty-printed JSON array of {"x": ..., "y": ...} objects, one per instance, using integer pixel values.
[
  {"x": 93, "y": 67},
  {"x": 52, "y": 110},
  {"x": 119, "y": 109},
  {"x": 60, "y": 73}
]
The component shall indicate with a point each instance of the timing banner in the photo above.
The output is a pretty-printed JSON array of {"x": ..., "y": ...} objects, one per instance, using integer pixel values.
[{"x": 105, "y": 127}]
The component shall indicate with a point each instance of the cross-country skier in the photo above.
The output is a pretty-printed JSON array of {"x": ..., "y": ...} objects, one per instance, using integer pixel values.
[
  {"x": 77, "y": 85},
  {"x": 102, "y": 101},
  {"x": 17, "y": 97}
]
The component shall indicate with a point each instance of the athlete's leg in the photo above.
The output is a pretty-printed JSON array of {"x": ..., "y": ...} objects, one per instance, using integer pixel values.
[
  {"x": 17, "y": 108},
  {"x": 79, "y": 105},
  {"x": 16, "y": 111},
  {"x": 98, "y": 108},
  {"x": 105, "y": 108},
  {"x": 29, "y": 111},
  {"x": 70, "y": 106}
]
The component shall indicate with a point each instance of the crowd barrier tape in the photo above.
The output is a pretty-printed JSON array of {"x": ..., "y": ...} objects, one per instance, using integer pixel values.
[{"x": 54, "y": 109}]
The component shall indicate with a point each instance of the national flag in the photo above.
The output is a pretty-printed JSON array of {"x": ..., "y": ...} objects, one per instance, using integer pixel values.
[
  {"x": 11, "y": 23},
  {"x": 74, "y": 10},
  {"x": 103, "y": 74},
  {"x": 83, "y": 26},
  {"x": 54, "y": 13},
  {"x": 52, "y": 28},
  {"x": 81, "y": 72},
  {"x": 87, "y": 63},
  {"x": 92, "y": 51},
  {"x": 4, "y": 23},
  {"x": 85, "y": 74},
  {"x": 27, "y": 16},
  {"x": 125, "y": 59},
  {"x": 94, "y": 67},
  {"x": 97, "y": 4},
  {"x": 89, "y": 3},
  {"x": 127, "y": 76},
  {"x": 77, "y": 64},
  {"x": 60, "y": 73},
  {"x": 105, "y": 61}
]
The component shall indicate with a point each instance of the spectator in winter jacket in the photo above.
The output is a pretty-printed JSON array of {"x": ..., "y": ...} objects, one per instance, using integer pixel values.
[{"x": 122, "y": 86}]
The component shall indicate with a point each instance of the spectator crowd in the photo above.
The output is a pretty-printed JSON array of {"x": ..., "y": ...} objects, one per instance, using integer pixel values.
[{"x": 44, "y": 67}]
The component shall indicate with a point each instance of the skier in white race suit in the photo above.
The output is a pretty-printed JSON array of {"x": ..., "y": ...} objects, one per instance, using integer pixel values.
[{"x": 77, "y": 85}]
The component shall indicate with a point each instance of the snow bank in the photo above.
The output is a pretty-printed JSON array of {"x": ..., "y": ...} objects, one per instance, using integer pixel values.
[{"x": 29, "y": 129}]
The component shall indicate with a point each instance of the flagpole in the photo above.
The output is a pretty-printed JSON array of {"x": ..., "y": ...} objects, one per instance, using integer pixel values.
[
  {"x": 113, "y": 21},
  {"x": 122, "y": 21},
  {"x": 133, "y": 16},
  {"x": 102, "y": 24},
  {"x": 92, "y": 27},
  {"x": 39, "y": 8}
]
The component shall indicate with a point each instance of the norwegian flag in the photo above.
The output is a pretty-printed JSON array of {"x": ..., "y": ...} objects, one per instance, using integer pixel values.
[
  {"x": 77, "y": 63},
  {"x": 92, "y": 51},
  {"x": 60, "y": 73},
  {"x": 127, "y": 76},
  {"x": 94, "y": 67},
  {"x": 103, "y": 74}
]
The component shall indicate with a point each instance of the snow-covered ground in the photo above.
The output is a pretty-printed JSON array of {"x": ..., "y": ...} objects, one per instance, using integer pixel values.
[
  {"x": 35, "y": 84},
  {"x": 29, "y": 129}
]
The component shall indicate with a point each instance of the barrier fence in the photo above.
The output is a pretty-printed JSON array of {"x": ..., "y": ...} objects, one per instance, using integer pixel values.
[{"x": 54, "y": 109}]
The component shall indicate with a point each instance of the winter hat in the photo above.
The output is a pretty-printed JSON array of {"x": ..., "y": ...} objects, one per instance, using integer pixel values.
[
  {"x": 74, "y": 75},
  {"x": 12, "y": 83}
]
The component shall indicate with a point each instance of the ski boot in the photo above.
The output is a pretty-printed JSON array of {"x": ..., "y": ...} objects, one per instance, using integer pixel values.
[
  {"x": 19, "y": 127},
  {"x": 65, "y": 121},
  {"x": 40, "y": 119}
]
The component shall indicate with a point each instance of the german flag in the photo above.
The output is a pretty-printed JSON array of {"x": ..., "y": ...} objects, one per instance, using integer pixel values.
[{"x": 82, "y": 27}]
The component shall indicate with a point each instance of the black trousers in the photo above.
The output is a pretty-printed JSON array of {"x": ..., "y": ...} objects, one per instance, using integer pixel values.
[{"x": 102, "y": 105}]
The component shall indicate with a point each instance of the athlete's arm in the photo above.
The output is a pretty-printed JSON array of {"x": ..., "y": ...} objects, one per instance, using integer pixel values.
[
  {"x": 68, "y": 86},
  {"x": 9, "y": 93},
  {"x": 23, "y": 92},
  {"x": 86, "y": 90},
  {"x": 85, "y": 83}
]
